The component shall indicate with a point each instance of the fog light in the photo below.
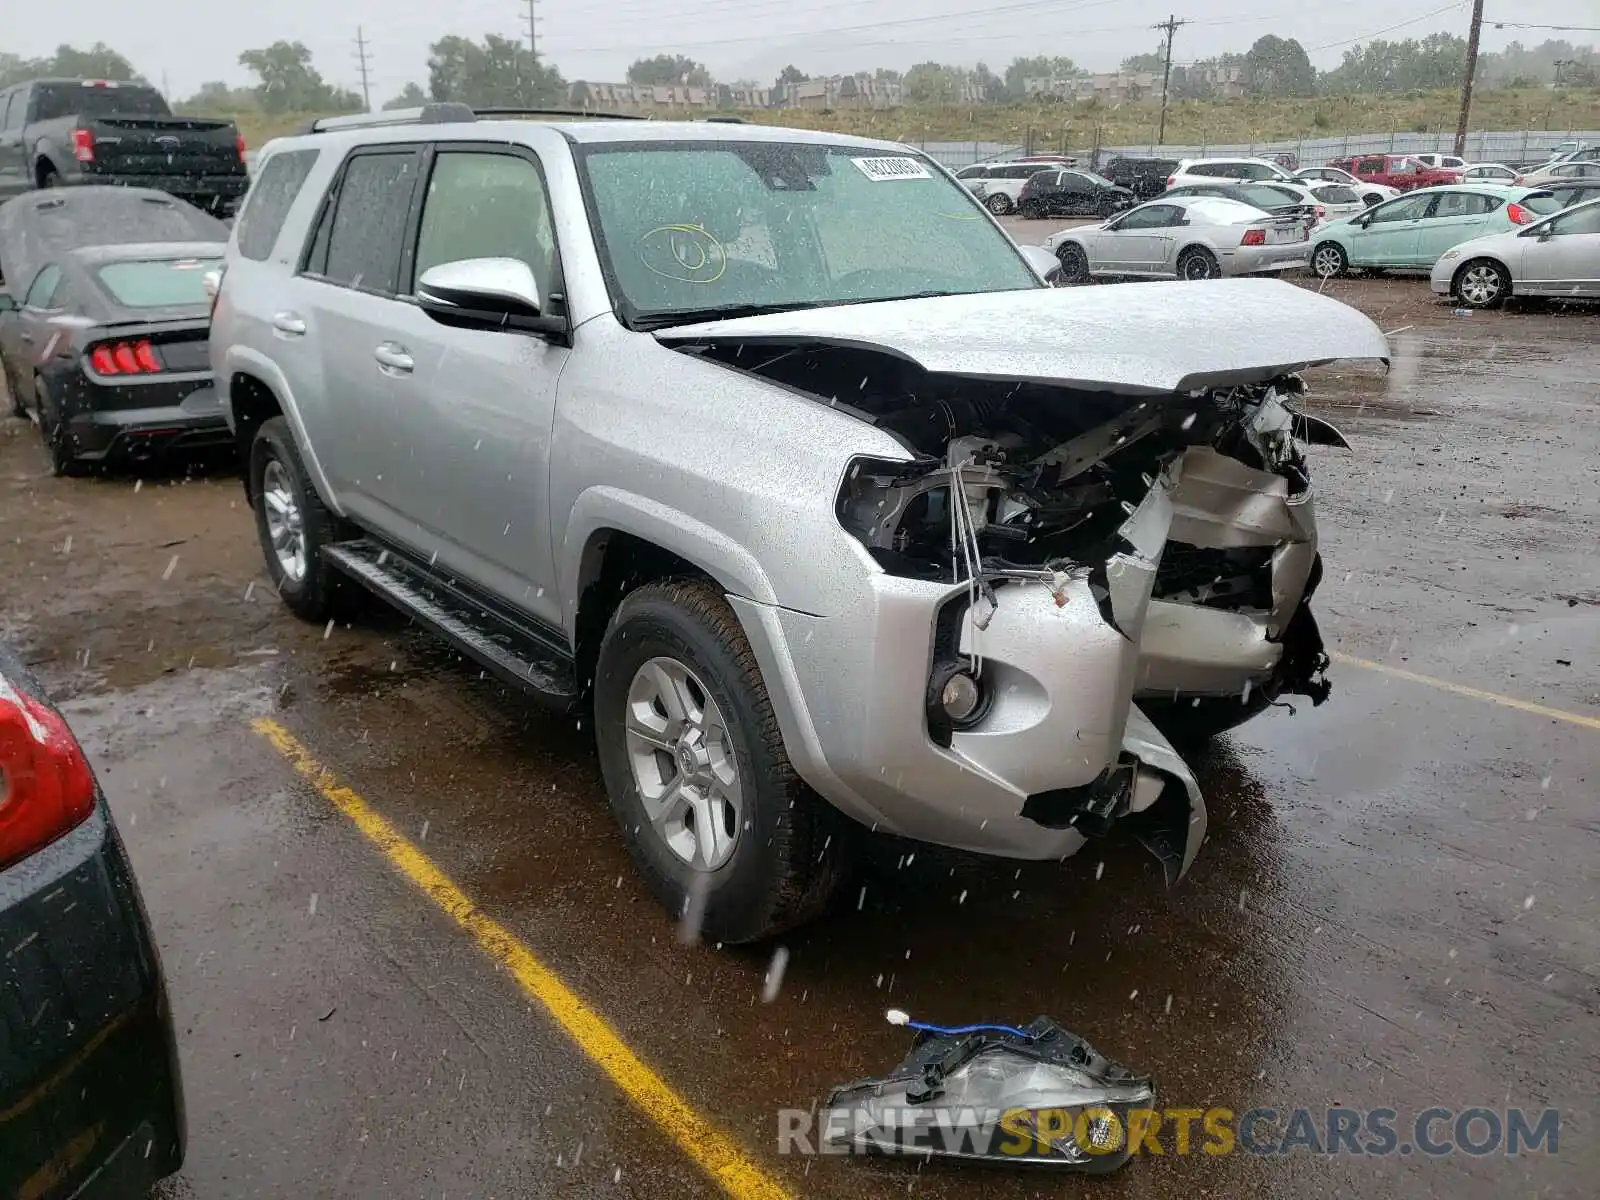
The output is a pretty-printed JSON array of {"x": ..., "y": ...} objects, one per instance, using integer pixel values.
[{"x": 960, "y": 697}]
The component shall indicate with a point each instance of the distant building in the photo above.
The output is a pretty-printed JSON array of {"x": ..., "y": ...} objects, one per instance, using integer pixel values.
[
  {"x": 840, "y": 91},
  {"x": 1226, "y": 83},
  {"x": 1117, "y": 85}
]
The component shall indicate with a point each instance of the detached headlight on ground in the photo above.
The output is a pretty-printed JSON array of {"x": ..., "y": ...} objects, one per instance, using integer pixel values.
[{"x": 1036, "y": 1095}]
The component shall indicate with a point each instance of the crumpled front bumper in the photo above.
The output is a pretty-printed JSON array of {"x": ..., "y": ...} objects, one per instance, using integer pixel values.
[
  {"x": 1059, "y": 657},
  {"x": 1221, "y": 504}
]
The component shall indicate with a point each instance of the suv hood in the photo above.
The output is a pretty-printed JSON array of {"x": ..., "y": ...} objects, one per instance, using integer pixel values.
[{"x": 1134, "y": 338}]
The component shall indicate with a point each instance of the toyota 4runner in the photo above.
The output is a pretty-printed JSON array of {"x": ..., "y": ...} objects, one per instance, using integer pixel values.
[{"x": 770, "y": 449}]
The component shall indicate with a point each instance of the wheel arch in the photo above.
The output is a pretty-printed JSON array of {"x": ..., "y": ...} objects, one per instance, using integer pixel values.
[
  {"x": 256, "y": 390},
  {"x": 1455, "y": 278}
]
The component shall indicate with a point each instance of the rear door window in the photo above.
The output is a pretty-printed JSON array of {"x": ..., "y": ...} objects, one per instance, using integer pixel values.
[
  {"x": 1412, "y": 208},
  {"x": 1465, "y": 204},
  {"x": 273, "y": 193},
  {"x": 362, "y": 230}
]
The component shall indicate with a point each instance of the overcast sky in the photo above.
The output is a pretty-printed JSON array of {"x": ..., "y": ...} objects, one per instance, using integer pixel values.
[{"x": 191, "y": 41}]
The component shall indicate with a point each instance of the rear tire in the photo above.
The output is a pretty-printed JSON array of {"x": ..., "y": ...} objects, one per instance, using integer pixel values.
[
  {"x": 12, "y": 390},
  {"x": 1482, "y": 283},
  {"x": 48, "y": 178},
  {"x": 314, "y": 591},
  {"x": 1197, "y": 263},
  {"x": 1329, "y": 261},
  {"x": 788, "y": 850},
  {"x": 1372, "y": 198},
  {"x": 999, "y": 204},
  {"x": 1031, "y": 210},
  {"x": 54, "y": 435}
]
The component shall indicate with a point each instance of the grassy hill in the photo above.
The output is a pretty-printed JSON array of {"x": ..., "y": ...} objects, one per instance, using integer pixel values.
[{"x": 1190, "y": 122}]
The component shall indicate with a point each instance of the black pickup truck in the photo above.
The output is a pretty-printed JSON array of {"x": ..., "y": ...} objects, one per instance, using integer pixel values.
[{"x": 59, "y": 132}]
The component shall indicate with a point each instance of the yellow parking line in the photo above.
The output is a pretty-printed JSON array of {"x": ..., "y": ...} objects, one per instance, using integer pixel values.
[
  {"x": 1461, "y": 689},
  {"x": 718, "y": 1155}
]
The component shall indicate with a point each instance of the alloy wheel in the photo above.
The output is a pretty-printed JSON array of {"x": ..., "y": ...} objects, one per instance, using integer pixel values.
[
  {"x": 1480, "y": 284},
  {"x": 285, "y": 522},
  {"x": 683, "y": 763}
]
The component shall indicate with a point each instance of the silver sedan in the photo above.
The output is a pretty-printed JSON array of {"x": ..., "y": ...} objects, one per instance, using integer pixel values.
[
  {"x": 1558, "y": 256},
  {"x": 1189, "y": 237}
]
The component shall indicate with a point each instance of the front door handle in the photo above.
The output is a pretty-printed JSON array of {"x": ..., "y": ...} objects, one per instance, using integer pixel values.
[
  {"x": 393, "y": 358},
  {"x": 27, "y": 338},
  {"x": 289, "y": 324}
]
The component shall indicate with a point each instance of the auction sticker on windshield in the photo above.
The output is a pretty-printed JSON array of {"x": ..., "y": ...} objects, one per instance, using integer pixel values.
[{"x": 879, "y": 169}]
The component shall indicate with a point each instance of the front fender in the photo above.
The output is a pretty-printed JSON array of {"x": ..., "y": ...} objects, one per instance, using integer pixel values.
[
  {"x": 242, "y": 360},
  {"x": 714, "y": 552}
]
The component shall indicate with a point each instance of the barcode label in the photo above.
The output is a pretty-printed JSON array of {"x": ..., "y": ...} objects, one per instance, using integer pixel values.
[{"x": 879, "y": 169}]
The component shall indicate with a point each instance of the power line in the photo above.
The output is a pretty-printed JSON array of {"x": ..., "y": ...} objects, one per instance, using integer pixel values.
[
  {"x": 361, "y": 55},
  {"x": 1171, "y": 25},
  {"x": 1361, "y": 37},
  {"x": 1557, "y": 28}
]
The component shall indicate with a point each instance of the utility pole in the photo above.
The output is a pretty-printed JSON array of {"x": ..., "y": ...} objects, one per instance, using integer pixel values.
[
  {"x": 533, "y": 36},
  {"x": 361, "y": 54},
  {"x": 1467, "y": 72},
  {"x": 1171, "y": 25},
  {"x": 1560, "y": 64}
]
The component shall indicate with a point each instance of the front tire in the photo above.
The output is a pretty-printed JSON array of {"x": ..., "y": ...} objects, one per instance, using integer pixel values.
[
  {"x": 1074, "y": 263},
  {"x": 723, "y": 830},
  {"x": 1329, "y": 261},
  {"x": 294, "y": 525},
  {"x": 1032, "y": 210},
  {"x": 999, "y": 204},
  {"x": 1482, "y": 283},
  {"x": 1197, "y": 263}
]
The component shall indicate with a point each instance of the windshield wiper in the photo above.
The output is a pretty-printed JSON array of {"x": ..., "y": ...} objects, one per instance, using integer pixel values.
[{"x": 720, "y": 312}]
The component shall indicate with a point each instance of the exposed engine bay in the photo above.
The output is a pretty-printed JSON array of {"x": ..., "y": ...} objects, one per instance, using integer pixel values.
[{"x": 1030, "y": 481}]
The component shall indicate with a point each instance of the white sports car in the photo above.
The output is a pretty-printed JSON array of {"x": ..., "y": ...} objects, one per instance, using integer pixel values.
[{"x": 1187, "y": 237}]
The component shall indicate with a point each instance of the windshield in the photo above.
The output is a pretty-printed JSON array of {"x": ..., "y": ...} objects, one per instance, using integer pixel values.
[
  {"x": 688, "y": 231},
  {"x": 157, "y": 283},
  {"x": 72, "y": 99},
  {"x": 1543, "y": 203},
  {"x": 1264, "y": 195},
  {"x": 1100, "y": 179}
]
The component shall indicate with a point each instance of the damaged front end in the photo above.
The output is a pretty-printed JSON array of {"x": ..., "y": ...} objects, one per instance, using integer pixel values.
[{"x": 1050, "y": 550}]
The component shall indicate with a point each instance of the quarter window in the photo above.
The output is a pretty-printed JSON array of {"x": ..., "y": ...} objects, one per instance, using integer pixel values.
[
  {"x": 271, "y": 196},
  {"x": 1464, "y": 204},
  {"x": 45, "y": 286}
]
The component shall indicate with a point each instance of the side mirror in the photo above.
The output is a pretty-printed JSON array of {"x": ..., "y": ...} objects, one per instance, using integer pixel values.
[
  {"x": 1043, "y": 262},
  {"x": 486, "y": 293},
  {"x": 7, "y": 304}
]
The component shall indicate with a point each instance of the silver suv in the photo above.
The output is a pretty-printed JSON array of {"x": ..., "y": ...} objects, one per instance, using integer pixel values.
[{"x": 770, "y": 449}]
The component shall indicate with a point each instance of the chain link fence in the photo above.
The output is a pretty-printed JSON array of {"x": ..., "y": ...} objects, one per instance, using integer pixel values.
[{"x": 1524, "y": 146}]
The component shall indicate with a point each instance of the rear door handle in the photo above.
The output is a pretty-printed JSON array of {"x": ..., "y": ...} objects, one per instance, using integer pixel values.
[
  {"x": 393, "y": 358},
  {"x": 289, "y": 324}
]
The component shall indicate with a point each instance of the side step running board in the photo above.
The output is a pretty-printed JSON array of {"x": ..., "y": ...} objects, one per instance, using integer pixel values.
[{"x": 496, "y": 640}]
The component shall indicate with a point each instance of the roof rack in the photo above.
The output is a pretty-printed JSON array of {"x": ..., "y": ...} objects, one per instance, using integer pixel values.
[
  {"x": 444, "y": 112},
  {"x": 451, "y": 112},
  {"x": 576, "y": 114}
]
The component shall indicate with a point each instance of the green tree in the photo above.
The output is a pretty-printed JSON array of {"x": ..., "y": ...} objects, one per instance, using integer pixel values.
[
  {"x": 994, "y": 88},
  {"x": 99, "y": 61},
  {"x": 791, "y": 74},
  {"x": 1136, "y": 64},
  {"x": 289, "y": 83},
  {"x": 1380, "y": 66},
  {"x": 670, "y": 70},
  {"x": 500, "y": 73},
  {"x": 411, "y": 96},
  {"x": 216, "y": 96},
  {"x": 1040, "y": 67},
  {"x": 935, "y": 83},
  {"x": 1278, "y": 66}
]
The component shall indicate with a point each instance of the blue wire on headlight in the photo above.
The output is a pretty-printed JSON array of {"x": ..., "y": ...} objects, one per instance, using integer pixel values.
[{"x": 897, "y": 1016}]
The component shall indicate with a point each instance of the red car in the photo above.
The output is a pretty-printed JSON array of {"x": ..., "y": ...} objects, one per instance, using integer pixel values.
[{"x": 1395, "y": 170}]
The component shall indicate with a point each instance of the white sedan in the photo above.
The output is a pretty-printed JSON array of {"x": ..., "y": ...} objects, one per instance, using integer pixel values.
[
  {"x": 1189, "y": 237},
  {"x": 1487, "y": 173},
  {"x": 1558, "y": 256},
  {"x": 1371, "y": 193}
]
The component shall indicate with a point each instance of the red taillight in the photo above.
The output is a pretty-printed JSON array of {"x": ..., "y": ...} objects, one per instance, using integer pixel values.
[
  {"x": 1254, "y": 237},
  {"x": 1517, "y": 182},
  {"x": 125, "y": 358},
  {"x": 1519, "y": 215},
  {"x": 83, "y": 145},
  {"x": 46, "y": 788},
  {"x": 238, "y": 144},
  {"x": 211, "y": 281},
  {"x": 1321, "y": 212},
  {"x": 1170, "y": 178}
]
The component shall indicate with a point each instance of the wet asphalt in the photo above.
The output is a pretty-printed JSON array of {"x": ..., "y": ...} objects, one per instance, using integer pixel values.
[{"x": 1396, "y": 906}]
